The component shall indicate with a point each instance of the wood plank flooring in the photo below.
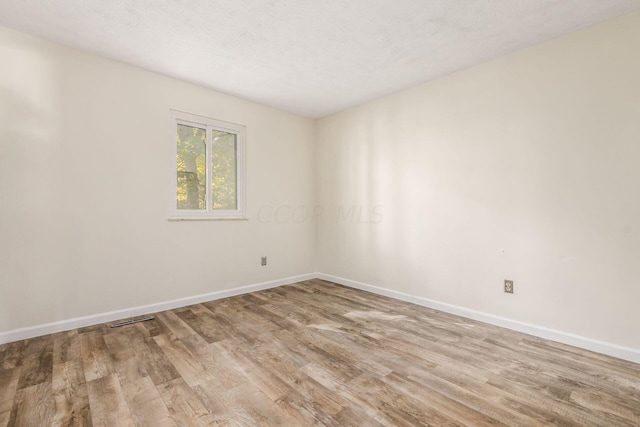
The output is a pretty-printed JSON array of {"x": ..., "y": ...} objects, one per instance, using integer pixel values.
[{"x": 313, "y": 353}]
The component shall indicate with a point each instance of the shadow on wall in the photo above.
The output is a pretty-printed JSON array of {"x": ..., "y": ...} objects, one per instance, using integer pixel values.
[{"x": 30, "y": 179}]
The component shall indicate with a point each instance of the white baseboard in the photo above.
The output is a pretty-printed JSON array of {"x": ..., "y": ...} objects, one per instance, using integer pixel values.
[
  {"x": 80, "y": 322},
  {"x": 626, "y": 353},
  {"x": 610, "y": 349}
]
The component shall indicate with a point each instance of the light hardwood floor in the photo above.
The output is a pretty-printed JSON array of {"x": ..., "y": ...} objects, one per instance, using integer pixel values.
[{"x": 313, "y": 353}]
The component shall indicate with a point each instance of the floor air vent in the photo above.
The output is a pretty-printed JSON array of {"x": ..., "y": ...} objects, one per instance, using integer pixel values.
[{"x": 132, "y": 320}]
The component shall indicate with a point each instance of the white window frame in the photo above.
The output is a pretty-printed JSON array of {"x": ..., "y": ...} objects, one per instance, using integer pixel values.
[{"x": 179, "y": 117}]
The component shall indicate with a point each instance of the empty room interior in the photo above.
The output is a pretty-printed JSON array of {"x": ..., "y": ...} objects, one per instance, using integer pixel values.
[{"x": 364, "y": 213}]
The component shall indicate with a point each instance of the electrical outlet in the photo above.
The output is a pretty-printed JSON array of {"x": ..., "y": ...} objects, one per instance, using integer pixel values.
[
  {"x": 508, "y": 286},
  {"x": 263, "y": 261}
]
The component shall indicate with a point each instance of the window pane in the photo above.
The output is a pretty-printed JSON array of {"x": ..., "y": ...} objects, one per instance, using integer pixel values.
[
  {"x": 191, "y": 166},
  {"x": 224, "y": 176}
]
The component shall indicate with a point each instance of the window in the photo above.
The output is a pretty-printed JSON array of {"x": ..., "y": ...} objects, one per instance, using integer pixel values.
[{"x": 208, "y": 168}]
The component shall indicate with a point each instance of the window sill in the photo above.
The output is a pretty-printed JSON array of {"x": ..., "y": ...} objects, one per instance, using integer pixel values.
[{"x": 207, "y": 218}]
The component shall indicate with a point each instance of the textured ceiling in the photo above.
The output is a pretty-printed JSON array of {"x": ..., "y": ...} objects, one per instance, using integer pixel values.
[{"x": 310, "y": 57}]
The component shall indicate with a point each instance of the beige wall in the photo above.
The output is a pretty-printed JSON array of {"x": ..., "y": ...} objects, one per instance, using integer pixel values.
[
  {"x": 84, "y": 188},
  {"x": 523, "y": 168}
]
